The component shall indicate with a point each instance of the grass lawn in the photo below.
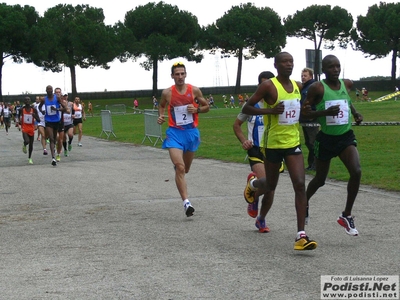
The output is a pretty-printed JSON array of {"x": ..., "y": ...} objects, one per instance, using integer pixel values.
[{"x": 378, "y": 145}]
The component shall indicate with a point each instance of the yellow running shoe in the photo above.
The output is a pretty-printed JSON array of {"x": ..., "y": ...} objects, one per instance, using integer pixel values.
[
  {"x": 304, "y": 243},
  {"x": 249, "y": 191}
]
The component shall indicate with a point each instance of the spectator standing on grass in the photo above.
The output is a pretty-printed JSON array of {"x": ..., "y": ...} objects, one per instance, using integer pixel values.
[
  {"x": 183, "y": 102},
  {"x": 336, "y": 138},
  {"x": 281, "y": 97},
  {"x": 357, "y": 94},
  {"x": 135, "y": 105},
  {"x": 212, "y": 102},
  {"x": 155, "y": 102},
  {"x": 225, "y": 100},
  {"x": 309, "y": 131},
  {"x": 241, "y": 100},
  {"x": 364, "y": 94},
  {"x": 232, "y": 100},
  {"x": 90, "y": 108}
]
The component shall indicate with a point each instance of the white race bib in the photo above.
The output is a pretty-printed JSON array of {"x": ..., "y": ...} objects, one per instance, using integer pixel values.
[
  {"x": 78, "y": 114},
  {"x": 50, "y": 112},
  {"x": 28, "y": 119},
  {"x": 182, "y": 116},
  {"x": 291, "y": 114},
  {"x": 343, "y": 117},
  {"x": 67, "y": 118}
]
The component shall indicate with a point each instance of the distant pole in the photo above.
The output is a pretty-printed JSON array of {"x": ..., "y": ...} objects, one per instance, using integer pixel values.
[
  {"x": 224, "y": 56},
  {"x": 217, "y": 78},
  {"x": 227, "y": 74}
]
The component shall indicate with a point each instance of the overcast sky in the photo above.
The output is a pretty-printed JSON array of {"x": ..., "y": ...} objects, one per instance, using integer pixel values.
[{"x": 212, "y": 71}]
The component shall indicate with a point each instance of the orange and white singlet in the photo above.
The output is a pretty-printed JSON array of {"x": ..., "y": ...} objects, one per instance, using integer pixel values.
[
  {"x": 28, "y": 122},
  {"x": 178, "y": 115}
]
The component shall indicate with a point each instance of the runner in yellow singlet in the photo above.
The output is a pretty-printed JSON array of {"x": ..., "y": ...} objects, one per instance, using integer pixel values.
[{"x": 282, "y": 142}]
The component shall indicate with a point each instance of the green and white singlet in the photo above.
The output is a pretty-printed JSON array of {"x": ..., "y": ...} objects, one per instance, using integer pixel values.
[{"x": 340, "y": 124}]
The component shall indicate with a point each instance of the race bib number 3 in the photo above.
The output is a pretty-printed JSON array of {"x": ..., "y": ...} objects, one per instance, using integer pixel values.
[
  {"x": 182, "y": 116},
  {"x": 291, "y": 114},
  {"x": 343, "y": 117}
]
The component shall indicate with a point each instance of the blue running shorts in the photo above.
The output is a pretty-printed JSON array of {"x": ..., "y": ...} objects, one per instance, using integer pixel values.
[{"x": 184, "y": 139}]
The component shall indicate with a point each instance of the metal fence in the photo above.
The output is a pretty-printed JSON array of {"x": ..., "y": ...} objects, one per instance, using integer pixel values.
[
  {"x": 106, "y": 124},
  {"x": 117, "y": 109},
  {"x": 151, "y": 128}
]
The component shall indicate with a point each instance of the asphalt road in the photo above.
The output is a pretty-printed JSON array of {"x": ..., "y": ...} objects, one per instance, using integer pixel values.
[{"x": 107, "y": 223}]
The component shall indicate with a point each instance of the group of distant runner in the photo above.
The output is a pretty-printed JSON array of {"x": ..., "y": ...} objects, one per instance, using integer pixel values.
[{"x": 55, "y": 119}]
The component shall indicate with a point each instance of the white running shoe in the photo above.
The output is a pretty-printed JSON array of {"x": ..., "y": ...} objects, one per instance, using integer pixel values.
[{"x": 348, "y": 224}]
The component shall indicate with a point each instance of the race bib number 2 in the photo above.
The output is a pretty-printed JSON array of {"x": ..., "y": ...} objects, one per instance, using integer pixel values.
[{"x": 182, "y": 116}]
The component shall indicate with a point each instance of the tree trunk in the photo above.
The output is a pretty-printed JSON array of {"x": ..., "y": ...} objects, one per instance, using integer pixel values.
[
  {"x": 394, "y": 58},
  {"x": 1, "y": 76},
  {"x": 317, "y": 64},
  {"x": 155, "y": 78},
  {"x": 73, "y": 83},
  {"x": 239, "y": 71}
]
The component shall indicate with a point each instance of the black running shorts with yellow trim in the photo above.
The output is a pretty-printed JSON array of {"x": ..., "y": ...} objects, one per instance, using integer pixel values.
[
  {"x": 255, "y": 156},
  {"x": 328, "y": 146},
  {"x": 276, "y": 156}
]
